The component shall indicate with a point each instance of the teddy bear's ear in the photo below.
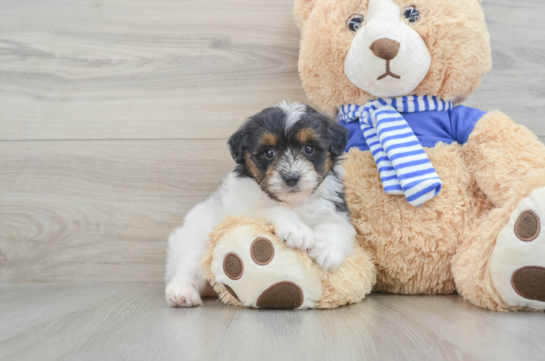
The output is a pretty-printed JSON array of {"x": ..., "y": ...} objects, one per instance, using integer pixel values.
[{"x": 301, "y": 10}]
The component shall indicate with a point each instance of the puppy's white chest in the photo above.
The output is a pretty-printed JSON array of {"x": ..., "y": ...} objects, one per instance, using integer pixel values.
[{"x": 312, "y": 213}]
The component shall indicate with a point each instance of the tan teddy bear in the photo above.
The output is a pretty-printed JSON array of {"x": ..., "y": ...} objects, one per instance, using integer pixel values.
[
  {"x": 444, "y": 198},
  {"x": 480, "y": 234}
]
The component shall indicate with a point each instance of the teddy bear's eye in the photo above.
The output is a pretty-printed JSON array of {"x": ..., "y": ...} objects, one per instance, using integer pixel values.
[
  {"x": 410, "y": 13},
  {"x": 354, "y": 21}
]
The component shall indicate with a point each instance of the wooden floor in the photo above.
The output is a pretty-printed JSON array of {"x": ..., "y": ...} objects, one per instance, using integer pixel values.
[
  {"x": 131, "y": 321},
  {"x": 114, "y": 117}
]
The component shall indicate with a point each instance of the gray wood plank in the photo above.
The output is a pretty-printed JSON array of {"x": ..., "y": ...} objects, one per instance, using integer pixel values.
[
  {"x": 132, "y": 321},
  {"x": 32, "y": 305},
  {"x": 99, "y": 210},
  {"x": 516, "y": 84},
  {"x": 139, "y": 69}
]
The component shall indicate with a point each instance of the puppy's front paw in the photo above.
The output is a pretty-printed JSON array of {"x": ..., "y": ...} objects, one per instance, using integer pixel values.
[
  {"x": 327, "y": 253},
  {"x": 295, "y": 234},
  {"x": 182, "y": 295}
]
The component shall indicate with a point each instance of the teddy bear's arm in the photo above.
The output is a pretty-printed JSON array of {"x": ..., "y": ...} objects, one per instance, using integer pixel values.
[{"x": 499, "y": 153}]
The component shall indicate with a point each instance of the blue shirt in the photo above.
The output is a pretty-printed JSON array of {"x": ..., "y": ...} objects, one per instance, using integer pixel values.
[{"x": 430, "y": 127}]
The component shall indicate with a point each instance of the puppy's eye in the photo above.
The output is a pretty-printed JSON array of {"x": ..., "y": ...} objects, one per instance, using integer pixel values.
[
  {"x": 410, "y": 13},
  {"x": 308, "y": 149},
  {"x": 270, "y": 153},
  {"x": 354, "y": 21}
]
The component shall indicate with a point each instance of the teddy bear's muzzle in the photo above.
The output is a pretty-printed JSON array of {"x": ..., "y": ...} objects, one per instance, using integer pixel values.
[
  {"x": 387, "y": 57},
  {"x": 384, "y": 48}
]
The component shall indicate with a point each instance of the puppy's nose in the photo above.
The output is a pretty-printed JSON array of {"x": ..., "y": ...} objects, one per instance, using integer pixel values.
[
  {"x": 291, "y": 179},
  {"x": 386, "y": 49}
]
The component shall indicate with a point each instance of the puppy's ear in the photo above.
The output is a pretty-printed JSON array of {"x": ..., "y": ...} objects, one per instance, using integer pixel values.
[
  {"x": 337, "y": 135},
  {"x": 235, "y": 145}
]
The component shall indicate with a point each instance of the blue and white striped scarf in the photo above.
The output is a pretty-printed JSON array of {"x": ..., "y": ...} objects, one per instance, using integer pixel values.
[{"x": 403, "y": 164}]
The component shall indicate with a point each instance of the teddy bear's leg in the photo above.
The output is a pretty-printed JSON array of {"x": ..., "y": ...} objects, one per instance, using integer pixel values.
[
  {"x": 248, "y": 265},
  {"x": 501, "y": 265}
]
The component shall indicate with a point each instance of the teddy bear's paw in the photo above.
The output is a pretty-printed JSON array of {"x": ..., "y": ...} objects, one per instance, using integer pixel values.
[
  {"x": 518, "y": 261},
  {"x": 260, "y": 271},
  {"x": 182, "y": 295},
  {"x": 296, "y": 234}
]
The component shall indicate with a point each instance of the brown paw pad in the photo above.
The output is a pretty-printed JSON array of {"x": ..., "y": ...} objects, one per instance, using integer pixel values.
[
  {"x": 282, "y": 295},
  {"x": 527, "y": 226},
  {"x": 262, "y": 251},
  {"x": 233, "y": 266},
  {"x": 529, "y": 282},
  {"x": 230, "y": 290}
]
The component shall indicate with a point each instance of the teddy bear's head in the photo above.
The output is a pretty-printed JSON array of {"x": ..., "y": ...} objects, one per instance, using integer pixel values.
[{"x": 356, "y": 50}]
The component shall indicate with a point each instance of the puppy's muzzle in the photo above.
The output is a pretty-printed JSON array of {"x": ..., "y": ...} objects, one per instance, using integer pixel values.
[{"x": 291, "y": 179}]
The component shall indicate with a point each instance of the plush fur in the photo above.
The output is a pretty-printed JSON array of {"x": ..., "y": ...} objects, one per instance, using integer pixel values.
[
  {"x": 412, "y": 247},
  {"x": 450, "y": 243}
]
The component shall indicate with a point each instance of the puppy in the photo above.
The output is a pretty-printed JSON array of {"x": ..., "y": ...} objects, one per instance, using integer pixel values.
[{"x": 286, "y": 172}]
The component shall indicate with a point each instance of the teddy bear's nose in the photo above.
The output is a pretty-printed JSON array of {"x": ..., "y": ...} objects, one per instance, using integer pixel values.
[{"x": 385, "y": 49}]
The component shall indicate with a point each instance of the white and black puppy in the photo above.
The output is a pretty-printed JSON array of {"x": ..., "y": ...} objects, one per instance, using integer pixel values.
[{"x": 287, "y": 172}]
